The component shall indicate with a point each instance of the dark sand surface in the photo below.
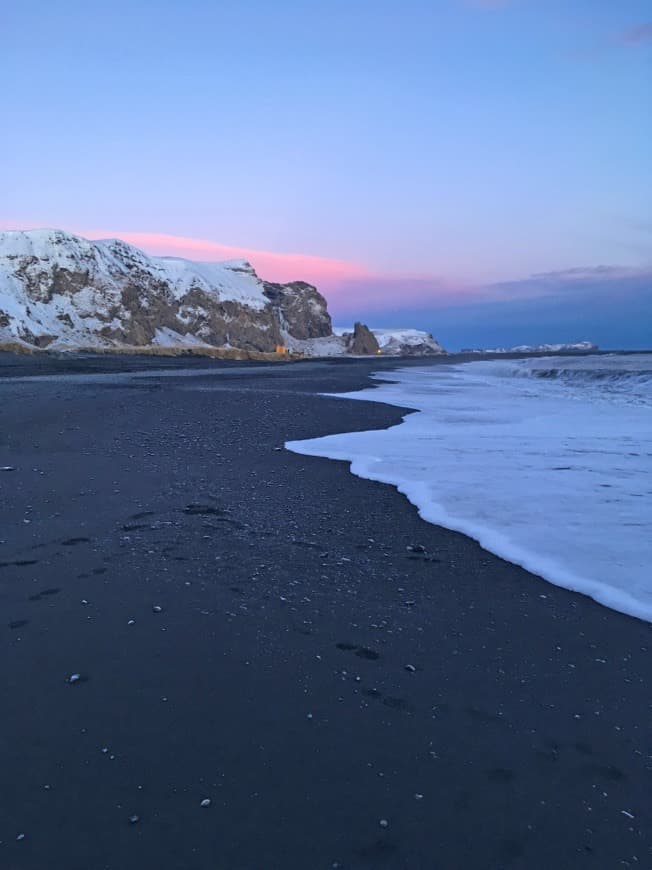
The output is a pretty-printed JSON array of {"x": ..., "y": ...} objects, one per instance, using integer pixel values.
[{"x": 273, "y": 681}]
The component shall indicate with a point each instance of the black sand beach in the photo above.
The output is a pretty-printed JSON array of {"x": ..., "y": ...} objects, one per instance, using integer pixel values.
[{"x": 251, "y": 627}]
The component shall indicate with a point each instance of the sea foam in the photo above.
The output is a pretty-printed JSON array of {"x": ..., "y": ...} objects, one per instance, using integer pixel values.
[{"x": 546, "y": 462}]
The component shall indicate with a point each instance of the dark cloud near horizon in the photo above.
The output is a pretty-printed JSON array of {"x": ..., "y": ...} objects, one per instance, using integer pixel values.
[{"x": 608, "y": 305}]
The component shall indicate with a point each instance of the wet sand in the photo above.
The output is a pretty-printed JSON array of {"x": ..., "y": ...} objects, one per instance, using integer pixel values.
[{"x": 251, "y": 627}]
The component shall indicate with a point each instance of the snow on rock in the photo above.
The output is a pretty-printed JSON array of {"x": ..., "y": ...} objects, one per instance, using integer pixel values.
[
  {"x": 400, "y": 342},
  {"x": 59, "y": 290}
]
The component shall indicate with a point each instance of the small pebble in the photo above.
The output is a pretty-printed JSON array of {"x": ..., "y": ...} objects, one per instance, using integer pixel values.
[
  {"x": 418, "y": 797},
  {"x": 383, "y": 823},
  {"x": 205, "y": 803},
  {"x": 133, "y": 820},
  {"x": 131, "y": 622},
  {"x": 410, "y": 668},
  {"x": 20, "y": 837},
  {"x": 309, "y": 716},
  {"x": 157, "y": 608},
  {"x": 74, "y": 678}
]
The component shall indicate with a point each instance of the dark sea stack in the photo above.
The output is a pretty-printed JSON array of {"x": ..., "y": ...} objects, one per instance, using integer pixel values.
[{"x": 362, "y": 341}]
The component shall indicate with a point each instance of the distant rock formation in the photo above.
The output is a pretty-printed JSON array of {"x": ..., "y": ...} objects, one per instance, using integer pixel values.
[
  {"x": 576, "y": 347},
  {"x": 58, "y": 290},
  {"x": 361, "y": 341}
]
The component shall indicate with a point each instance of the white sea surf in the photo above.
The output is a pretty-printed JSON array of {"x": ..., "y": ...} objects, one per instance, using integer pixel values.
[{"x": 546, "y": 462}]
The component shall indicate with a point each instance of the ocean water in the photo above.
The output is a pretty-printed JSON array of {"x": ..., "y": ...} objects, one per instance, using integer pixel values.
[{"x": 546, "y": 462}]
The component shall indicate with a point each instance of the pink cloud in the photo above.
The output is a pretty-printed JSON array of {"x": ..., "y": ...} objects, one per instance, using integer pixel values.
[
  {"x": 348, "y": 286},
  {"x": 270, "y": 265}
]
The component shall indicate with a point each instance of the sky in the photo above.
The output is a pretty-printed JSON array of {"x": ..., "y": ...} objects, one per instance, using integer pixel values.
[{"x": 478, "y": 168}]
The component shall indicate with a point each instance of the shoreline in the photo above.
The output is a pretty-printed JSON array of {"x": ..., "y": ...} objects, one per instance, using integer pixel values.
[
  {"x": 104, "y": 362},
  {"x": 318, "y": 676}
]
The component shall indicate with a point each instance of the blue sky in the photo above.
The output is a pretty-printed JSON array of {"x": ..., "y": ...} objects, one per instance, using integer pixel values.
[{"x": 439, "y": 149}]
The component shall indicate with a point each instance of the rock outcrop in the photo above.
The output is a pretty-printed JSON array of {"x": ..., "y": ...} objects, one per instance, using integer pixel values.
[
  {"x": 361, "y": 341},
  {"x": 59, "y": 290}
]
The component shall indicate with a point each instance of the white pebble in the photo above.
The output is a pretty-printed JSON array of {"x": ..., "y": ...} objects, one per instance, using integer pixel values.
[
  {"x": 20, "y": 837},
  {"x": 74, "y": 678},
  {"x": 205, "y": 803},
  {"x": 157, "y": 608},
  {"x": 383, "y": 823},
  {"x": 134, "y": 820}
]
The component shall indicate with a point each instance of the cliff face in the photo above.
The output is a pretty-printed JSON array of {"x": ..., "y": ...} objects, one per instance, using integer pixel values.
[
  {"x": 59, "y": 290},
  {"x": 301, "y": 308}
]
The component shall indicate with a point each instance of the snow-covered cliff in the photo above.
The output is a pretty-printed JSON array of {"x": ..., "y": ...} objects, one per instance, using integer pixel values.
[{"x": 59, "y": 290}]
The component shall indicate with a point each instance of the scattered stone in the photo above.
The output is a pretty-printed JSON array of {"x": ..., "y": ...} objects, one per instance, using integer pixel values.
[
  {"x": 157, "y": 608},
  {"x": 206, "y": 802},
  {"x": 131, "y": 622},
  {"x": 309, "y": 716},
  {"x": 410, "y": 668},
  {"x": 383, "y": 823},
  {"x": 74, "y": 678},
  {"x": 133, "y": 820},
  {"x": 418, "y": 797}
]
